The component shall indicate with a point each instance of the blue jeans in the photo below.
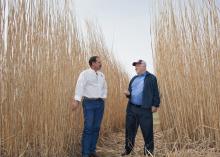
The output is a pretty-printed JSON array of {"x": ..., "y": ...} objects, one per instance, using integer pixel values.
[{"x": 93, "y": 113}]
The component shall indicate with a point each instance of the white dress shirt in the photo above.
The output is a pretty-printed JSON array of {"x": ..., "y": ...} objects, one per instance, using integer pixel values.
[{"x": 91, "y": 84}]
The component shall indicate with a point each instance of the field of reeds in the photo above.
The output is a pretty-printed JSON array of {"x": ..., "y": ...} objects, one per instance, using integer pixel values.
[
  {"x": 186, "y": 48},
  {"x": 42, "y": 52}
]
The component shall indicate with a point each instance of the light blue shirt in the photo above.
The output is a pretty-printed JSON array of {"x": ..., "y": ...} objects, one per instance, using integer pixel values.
[{"x": 137, "y": 89}]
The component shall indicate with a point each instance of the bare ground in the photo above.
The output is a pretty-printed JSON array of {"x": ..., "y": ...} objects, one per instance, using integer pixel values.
[{"x": 113, "y": 146}]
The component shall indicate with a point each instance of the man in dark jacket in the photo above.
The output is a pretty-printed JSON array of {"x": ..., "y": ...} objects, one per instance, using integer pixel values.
[{"x": 144, "y": 99}]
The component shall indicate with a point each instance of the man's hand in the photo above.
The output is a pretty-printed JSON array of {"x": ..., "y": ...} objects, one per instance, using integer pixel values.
[
  {"x": 74, "y": 105},
  {"x": 154, "y": 109},
  {"x": 126, "y": 93}
]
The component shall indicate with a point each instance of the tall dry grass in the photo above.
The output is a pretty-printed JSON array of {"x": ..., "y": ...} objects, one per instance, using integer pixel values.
[
  {"x": 187, "y": 62},
  {"x": 42, "y": 53}
]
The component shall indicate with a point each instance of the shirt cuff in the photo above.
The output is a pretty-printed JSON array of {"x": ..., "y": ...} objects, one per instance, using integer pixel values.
[
  {"x": 78, "y": 98},
  {"x": 104, "y": 96}
]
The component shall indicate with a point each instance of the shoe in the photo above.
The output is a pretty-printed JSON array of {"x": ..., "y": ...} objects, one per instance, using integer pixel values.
[
  {"x": 125, "y": 153},
  {"x": 148, "y": 153},
  {"x": 93, "y": 155}
]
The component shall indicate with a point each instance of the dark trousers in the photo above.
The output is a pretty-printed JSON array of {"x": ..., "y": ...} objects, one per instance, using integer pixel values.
[
  {"x": 93, "y": 113},
  {"x": 139, "y": 116}
]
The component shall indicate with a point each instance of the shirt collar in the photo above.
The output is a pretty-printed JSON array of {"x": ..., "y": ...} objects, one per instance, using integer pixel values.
[
  {"x": 144, "y": 74},
  {"x": 96, "y": 72}
]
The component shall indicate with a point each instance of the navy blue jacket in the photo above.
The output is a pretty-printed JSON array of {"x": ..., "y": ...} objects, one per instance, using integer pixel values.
[{"x": 151, "y": 96}]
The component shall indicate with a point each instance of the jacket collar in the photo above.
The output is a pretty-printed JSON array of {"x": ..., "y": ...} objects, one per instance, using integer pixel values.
[{"x": 147, "y": 73}]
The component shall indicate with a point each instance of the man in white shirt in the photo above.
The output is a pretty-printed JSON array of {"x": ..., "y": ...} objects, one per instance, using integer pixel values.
[{"x": 91, "y": 88}]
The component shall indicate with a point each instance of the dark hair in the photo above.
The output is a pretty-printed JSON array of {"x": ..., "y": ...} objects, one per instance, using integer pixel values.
[{"x": 92, "y": 60}]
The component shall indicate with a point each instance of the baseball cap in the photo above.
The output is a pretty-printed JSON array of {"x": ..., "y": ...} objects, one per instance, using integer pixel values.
[{"x": 140, "y": 61}]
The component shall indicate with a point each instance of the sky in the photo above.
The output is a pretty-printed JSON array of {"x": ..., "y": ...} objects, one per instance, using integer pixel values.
[{"x": 125, "y": 25}]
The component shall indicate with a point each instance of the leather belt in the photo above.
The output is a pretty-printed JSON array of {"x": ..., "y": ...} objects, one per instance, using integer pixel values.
[{"x": 86, "y": 98}]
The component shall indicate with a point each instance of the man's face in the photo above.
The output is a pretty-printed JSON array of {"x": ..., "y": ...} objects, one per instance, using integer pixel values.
[
  {"x": 140, "y": 68},
  {"x": 98, "y": 64}
]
